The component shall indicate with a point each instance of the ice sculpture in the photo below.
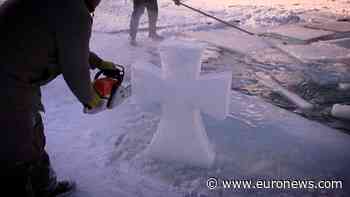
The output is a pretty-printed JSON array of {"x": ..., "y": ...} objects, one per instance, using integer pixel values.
[{"x": 183, "y": 94}]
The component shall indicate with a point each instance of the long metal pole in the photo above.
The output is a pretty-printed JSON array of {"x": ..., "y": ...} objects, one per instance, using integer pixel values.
[
  {"x": 215, "y": 18},
  {"x": 242, "y": 30}
]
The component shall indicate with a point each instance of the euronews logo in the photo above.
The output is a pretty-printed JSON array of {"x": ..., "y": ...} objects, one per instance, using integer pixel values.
[{"x": 214, "y": 183}]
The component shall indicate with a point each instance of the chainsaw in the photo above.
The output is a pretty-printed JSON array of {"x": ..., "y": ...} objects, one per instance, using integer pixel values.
[{"x": 110, "y": 86}]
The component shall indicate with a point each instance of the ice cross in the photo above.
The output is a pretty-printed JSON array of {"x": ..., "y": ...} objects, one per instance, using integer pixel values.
[{"x": 182, "y": 93}]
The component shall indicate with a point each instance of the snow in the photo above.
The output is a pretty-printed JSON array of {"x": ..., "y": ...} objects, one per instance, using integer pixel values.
[
  {"x": 271, "y": 17},
  {"x": 182, "y": 93}
]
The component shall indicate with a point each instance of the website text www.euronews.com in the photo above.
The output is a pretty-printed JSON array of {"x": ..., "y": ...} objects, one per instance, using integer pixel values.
[{"x": 215, "y": 183}]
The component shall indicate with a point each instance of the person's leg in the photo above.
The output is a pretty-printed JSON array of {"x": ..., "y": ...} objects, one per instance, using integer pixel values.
[
  {"x": 15, "y": 180},
  {"x": 139, "y": 8},
  {"x": 44, "y": 181},
  {"x": 17, "y": 152},
  {"x": 152, "y": 10},
  {"x": 42, "y": 176}
]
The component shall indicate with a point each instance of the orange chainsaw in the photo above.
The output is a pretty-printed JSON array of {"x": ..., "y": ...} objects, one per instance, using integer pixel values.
[{"x": 109, "y": 85}]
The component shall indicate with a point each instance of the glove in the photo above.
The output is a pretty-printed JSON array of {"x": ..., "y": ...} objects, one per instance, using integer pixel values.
[
  {"x": 106, "y": 65},
  {"x": 109, "y": 69},
  {"x": 177, "y": 2},
  {"x": 96, "y": 105}
]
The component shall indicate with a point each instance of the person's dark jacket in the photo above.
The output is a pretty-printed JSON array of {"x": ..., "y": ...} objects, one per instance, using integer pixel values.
[{"x": 38, "y": 38}]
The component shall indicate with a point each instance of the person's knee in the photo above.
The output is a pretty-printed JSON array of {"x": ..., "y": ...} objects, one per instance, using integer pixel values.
[
  {"x": 152, "y": 9},
  {"x": 138, "y": 11},
  {"x": 152, "y": 14},
  {"x": 22, "y": 138},
  {"x": 152, "y": 6}
]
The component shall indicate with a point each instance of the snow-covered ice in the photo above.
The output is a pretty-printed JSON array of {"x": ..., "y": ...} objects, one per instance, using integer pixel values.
[{"x": 181, "y": 135}]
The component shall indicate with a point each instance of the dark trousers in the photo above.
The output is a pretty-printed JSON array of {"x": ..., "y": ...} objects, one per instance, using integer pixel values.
[
  {"x": 139, "y": 9},
  {"x": 25, "y": 168}
]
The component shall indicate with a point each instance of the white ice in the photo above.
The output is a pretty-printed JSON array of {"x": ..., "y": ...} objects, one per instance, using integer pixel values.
[{"x": 183, "y": 93}]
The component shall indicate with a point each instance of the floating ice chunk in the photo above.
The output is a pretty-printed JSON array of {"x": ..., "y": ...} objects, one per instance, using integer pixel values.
[{"x": 341, "y": 111}]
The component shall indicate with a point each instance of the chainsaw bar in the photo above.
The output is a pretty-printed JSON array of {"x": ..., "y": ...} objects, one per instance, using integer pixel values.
[{"x": 122, "y": 93}]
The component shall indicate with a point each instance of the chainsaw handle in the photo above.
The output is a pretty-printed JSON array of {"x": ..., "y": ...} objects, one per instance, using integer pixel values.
[
  {"x": 117, "y": 73},
  {"x": 98, "y": 74}
]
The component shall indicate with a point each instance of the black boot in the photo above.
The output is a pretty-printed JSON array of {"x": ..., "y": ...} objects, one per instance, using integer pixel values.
[
  {"x": 44, "y": 180},
  {"x": 63, "y": 188},
  {"x": 156, "y": 37},
  {"x": 15, "y": 180},
  {"x": 152, "y": 20}
]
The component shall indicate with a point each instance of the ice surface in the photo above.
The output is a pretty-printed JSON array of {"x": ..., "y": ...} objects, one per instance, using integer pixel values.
[
  {"x": 299, "y": 32},
  {"x": 231, "y": 39},
  {"x": 180, "y": 89},
  {"x": 345, "y": 42},
  {"x": 331, "y": 26},
  {"x": 317, "y": 51}
]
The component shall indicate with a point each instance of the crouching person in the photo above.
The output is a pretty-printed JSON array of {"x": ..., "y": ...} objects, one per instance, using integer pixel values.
[{"x": 40, "y": 39}]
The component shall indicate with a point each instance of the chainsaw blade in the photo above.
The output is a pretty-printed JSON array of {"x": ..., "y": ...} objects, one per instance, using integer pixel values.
[{"x": 123, "y": 92}]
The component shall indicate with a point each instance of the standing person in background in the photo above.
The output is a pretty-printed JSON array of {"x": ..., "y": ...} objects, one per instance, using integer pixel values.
[{"x": 152, "y": 11}]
